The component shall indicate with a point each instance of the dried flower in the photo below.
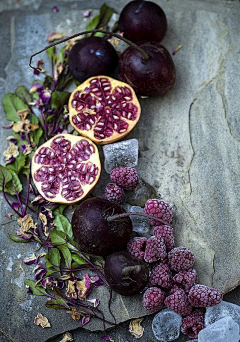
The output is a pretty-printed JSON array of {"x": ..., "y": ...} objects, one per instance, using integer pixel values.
[
  {"x": 135, "y": 328},
  {"x": 83, "y": 286},
  {"x": 54, "y": 36},
  {"x": 71, "y": 291},
  {"x": 67, "y": 337},
  {"x": 23, "y": 113},
  {"x": 177, "y": 49},
  {"x": 11, "y": 152},
  {"x": 12, "y": 139},
  {"x": 42, "y": 321}
]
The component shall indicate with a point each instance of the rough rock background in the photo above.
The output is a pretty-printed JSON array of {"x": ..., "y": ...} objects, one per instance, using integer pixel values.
[{"x": 189, "y": 149}]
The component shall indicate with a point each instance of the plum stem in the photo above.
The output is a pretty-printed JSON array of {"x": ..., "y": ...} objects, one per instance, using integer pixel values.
[
  {"x": 119, "y": 216},
  {"x": 129, "y": 269},
  {"x": 129, "y": 42}
]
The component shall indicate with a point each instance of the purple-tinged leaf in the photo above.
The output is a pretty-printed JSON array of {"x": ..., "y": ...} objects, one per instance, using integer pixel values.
[{"x": 40, "y": 274}]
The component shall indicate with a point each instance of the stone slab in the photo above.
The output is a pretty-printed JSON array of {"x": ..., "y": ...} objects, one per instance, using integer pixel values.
[{"x": 189, "y": 147}]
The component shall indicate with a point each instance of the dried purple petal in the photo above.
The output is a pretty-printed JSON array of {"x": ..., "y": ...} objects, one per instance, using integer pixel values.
[
  {"x": 87, "y": 13},
  {"x": 11, "y": 160},
  {"x": 94, "y": 301},
  {"x": 12, "y": 139},
  {"x": 60, "y": 284},
  {"x": 9, "y": 125},
  {"x": 30, "y": 260},
  {"x": 23, "y": 148},
  {"x": 22, "y": 136},
  {"x": 36, "y": 72},
  {"x": 40, "y": 274},
  {"x": 106, "y": 338},
  {"x": 29, "y": 291},
  {"x": 45, "y": 95},
  {"x": 55, "y": 9},
  {"x": 9, "y": 215},
  {"x": 177, "y": 49},
  {"x": 85, "y": 320}
]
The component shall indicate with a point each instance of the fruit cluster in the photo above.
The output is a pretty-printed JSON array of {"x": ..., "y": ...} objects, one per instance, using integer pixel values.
[
  {"x": 172, "y": 280},
  {"x": 124, "y": 178}
]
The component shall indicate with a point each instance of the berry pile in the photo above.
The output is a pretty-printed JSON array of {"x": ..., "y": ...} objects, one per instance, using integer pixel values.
[
  {"x": 172, "y": 280},
  {"x": 124, "y": 178}
]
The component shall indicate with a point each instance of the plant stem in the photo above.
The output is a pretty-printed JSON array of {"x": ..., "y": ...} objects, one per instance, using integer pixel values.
[
  {"x": 133, "y": 45},
  {"x": 91, "y": 264},
  {"x": 119, "y": 216},
  {"x": 28, "y": 191}
]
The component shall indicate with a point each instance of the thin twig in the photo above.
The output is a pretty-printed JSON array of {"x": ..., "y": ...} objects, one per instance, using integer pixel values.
[{"x": 135, "y": 46}]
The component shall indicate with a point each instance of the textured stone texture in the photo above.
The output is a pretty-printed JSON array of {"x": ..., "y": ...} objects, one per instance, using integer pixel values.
[{"x": 188, "y": 142}]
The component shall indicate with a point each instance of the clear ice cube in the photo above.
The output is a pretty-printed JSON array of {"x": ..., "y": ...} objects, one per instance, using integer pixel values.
[
  {"x": 223, "y": 330},
  {"x": 216, "y": 312},
  {"x": 140, "y": 224},
  {"x": 124, "y": 153},
  {"x": 166, "y": 325}
]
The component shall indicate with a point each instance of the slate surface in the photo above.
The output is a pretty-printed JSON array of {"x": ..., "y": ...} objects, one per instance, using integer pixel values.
[{"x": 189, "y": 148}]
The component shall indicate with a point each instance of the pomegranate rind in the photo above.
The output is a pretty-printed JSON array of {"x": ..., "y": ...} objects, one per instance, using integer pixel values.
[
  {"x": 95, "y": 111},
  {"x": 93, "y": 159}
]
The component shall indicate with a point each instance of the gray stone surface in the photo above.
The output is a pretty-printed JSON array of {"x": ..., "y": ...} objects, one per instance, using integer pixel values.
[{"x": 188, "y": 142}]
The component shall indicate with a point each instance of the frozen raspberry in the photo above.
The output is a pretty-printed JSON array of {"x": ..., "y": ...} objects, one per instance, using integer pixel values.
[
  {"x": 158, "y": 209},
  {"x": 186, "y": 278},
  {"x": 114, "y": 193},
  {"x": 179, "y": 303},
  {"x": 155, "y": 249},
  {"x": 153, "y": 299},
  {"x": 175, "y": 288},
  {"x": 166, "y": 233},
  {"x": 136, "y": 247},
  {"x": 204, "y": 296},
  {"x": 180, "y": 259},
  {"x": 126, "y": 177},
  {"x": 192, "y": 324},
  {"x": 161, "y": 276}
]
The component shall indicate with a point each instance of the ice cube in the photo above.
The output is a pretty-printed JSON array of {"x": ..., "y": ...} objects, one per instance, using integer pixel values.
[
  {"x": 216, "y": 312},
  {"x": 140, "y": 224},
  {"x": 223, "y": 330},
  {"x": 124, "y": 153},
  {"x": 166, "y": 325}
]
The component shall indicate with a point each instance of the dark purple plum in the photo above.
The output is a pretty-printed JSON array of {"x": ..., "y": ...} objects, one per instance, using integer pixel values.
[
  {"x": 92, "y": 56},
  {"x": 143, "y": 20},
  {"x": 155, "y": 76},
  {"x": 125, "y": 274},
  {"x": 92, "y": 231}
]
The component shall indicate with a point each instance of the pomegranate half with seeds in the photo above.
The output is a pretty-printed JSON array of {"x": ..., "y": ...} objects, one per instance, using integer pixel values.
[
  {"x": 103, "y": 109},
  {"x": 66, "y": 168}
]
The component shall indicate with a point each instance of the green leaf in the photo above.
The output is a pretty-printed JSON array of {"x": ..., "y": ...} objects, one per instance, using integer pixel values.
[
  {"x": 5, "y": 176},
  {"x": 106, "y": 13},
  {"x": 35, "y": 288},
  {"x": 16, "y": 238},
  {"x": 22, "y": 92},
  {"x": 49, "y": 272},
  {"x": 57, "y": 237},
  {"x": 36, "y": 135},
  {"x": 93, "y": 23},
  {"x": 60, "y": 209},
  {"x": 54, "y": 257},
  {"x": 51, "y": 54},
  {"x": 15, "y": 181},
  {"x": 101, "y": 19},
  {"x": 53, "y": 304},
  {"x": 18, "y": 163},
  {"x": 79, "y": 260},
  {"x": 11, "y": 104},
  {"x": 58, "y": 295},
  {"x": 62, "y": 224},
  {"x": 59, "y": 98},
  {"x": 66, "y": 254},
  {"x": 47, "y": 82}
]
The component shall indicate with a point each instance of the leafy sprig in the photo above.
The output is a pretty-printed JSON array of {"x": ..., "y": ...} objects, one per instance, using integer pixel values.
[{"x": 36, "y": 115}]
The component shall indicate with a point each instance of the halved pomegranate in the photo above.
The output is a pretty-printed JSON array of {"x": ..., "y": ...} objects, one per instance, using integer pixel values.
[
  {"x": 103, "y": 109},
  {"x": 66, "y": 168}
]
